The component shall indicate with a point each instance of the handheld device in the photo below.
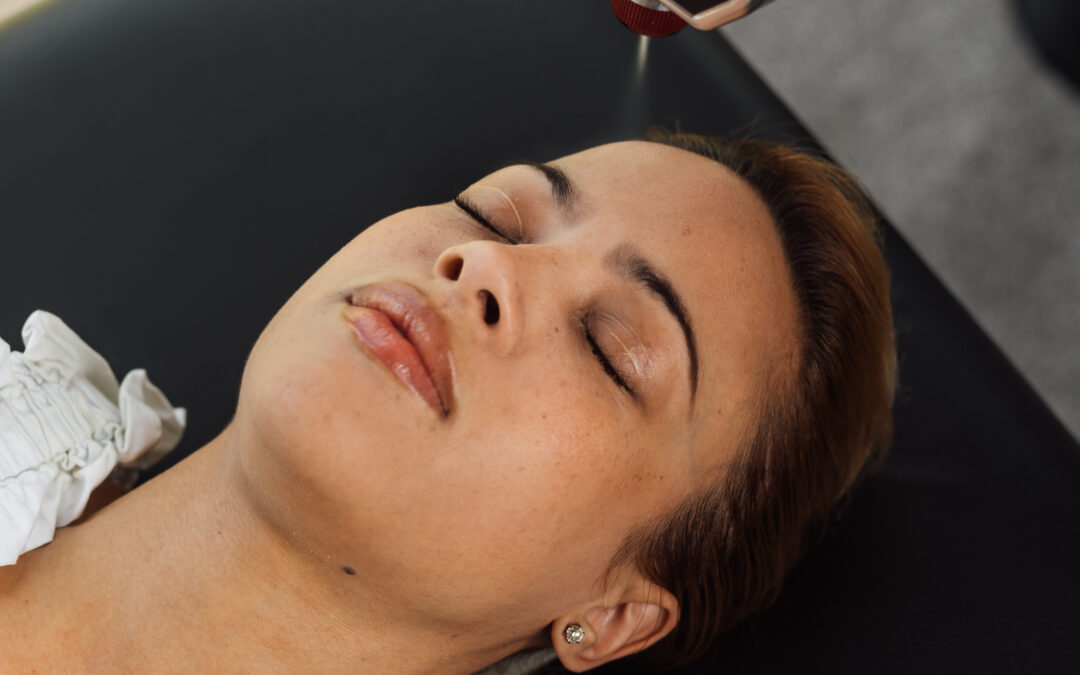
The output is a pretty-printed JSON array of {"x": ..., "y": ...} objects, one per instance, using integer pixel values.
[{"x": 657, "y": 18}]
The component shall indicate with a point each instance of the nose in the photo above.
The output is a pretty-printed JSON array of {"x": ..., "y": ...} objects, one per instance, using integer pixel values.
[{"x": 484, "y": 279}]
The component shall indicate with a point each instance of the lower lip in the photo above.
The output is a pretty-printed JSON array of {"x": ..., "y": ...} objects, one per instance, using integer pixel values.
[{"x": 387, "y": 344}]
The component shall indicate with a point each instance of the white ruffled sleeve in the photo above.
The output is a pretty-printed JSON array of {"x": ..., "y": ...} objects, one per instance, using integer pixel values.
[{"x": 65, "y": 424}]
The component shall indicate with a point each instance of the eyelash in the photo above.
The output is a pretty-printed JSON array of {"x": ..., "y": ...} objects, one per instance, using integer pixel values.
[
  {"x": 608, "y": 368},
  {"x": 466, "y": 206}
]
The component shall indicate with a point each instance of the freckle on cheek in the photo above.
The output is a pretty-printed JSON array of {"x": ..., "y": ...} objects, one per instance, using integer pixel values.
[{"x": 686, "y": 231}]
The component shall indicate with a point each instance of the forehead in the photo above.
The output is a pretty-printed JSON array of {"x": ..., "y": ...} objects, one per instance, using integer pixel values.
[{"x": 714, "y": 238}]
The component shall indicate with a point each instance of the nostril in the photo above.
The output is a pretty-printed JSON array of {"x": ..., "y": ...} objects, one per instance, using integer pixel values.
[
  {"x": 451, "y": 267},
  {"x": 491, "y": 308}
]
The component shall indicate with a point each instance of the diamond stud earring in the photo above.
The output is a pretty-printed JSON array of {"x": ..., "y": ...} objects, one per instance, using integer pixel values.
[{"x": 574, "y": 633}]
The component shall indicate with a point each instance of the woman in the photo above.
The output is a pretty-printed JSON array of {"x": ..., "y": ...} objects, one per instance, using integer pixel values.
[{"x": 635, "y": 381}]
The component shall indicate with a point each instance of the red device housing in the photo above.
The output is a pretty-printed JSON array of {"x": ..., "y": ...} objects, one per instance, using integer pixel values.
[{"x": 645, "y": 21}]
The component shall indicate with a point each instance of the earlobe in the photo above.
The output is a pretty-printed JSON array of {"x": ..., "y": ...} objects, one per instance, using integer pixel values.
[{"x": 609, "y": 633}]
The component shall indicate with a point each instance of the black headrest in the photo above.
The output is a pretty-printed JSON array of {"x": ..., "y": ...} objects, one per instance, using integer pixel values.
[{"x": 171, "y": 171}]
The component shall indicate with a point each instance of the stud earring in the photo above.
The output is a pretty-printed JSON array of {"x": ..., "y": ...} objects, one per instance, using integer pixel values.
[{"x": 574, "y": 633}]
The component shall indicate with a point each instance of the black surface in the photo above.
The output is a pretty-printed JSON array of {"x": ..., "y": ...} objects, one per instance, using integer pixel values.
[
  {"x": 1052, "y": 26},
  {"x": 171, "y": 171}
]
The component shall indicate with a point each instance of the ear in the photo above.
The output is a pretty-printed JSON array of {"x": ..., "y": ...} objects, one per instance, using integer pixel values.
[{"x": 644, "y": 615}]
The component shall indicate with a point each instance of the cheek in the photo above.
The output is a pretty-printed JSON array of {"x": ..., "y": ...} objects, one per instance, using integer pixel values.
[
  {"x": 283, "y": 403},
  {"x": 530, "y": 496},
  {"x": 416, "y": 236},
  {"x": 325, "y": 429},
  {"x": 546, "y": 454}
]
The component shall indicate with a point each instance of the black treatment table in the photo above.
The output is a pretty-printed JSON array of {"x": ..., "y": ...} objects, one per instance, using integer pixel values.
[{"x": 171, "y": 170}]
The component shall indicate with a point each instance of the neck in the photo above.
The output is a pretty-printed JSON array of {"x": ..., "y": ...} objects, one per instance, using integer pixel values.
[{"x": 183, "y": 574}]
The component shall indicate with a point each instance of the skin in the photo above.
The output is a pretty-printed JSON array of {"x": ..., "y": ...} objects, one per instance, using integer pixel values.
[{"x": 470, "y": 536}]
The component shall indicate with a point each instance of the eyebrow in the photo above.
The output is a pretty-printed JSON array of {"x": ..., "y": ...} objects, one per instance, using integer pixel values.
[
  {"x": 630, "y": 264},
  {"x": 562, "y": 188}
]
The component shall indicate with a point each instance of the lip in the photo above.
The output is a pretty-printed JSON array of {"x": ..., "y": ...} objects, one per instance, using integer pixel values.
[{"x": 399, "y": 327}]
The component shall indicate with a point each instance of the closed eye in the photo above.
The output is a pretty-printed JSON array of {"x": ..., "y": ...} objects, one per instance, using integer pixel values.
[
  {"x": 474, "y": 213},
  {"x": 604, "y": 361}
]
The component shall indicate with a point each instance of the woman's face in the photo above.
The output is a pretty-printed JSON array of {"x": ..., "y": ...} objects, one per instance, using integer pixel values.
[{"x": 544, "y": 461}]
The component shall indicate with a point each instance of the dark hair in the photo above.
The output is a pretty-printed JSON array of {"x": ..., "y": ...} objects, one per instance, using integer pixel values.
[{"x": 725, "y": 551}]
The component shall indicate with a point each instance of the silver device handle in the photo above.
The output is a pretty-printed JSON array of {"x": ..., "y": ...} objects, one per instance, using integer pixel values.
[{"x": 715, "y": 15}]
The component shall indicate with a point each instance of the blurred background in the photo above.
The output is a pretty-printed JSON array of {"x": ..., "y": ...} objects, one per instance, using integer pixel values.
[{"x": 968, "y": 140}]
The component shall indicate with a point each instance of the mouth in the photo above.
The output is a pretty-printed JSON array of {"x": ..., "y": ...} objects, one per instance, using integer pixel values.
[{"x": 397, "y": 325}]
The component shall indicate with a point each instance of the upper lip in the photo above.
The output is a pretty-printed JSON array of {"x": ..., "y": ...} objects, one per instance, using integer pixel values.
[{"x": 411, "y": 313}]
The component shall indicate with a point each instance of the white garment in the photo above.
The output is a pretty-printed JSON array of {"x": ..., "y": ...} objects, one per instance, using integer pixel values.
[{"x": 65, "y": 424}]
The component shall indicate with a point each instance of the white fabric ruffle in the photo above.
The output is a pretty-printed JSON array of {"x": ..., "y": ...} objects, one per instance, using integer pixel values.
[{"x": 65, "y": 424}]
